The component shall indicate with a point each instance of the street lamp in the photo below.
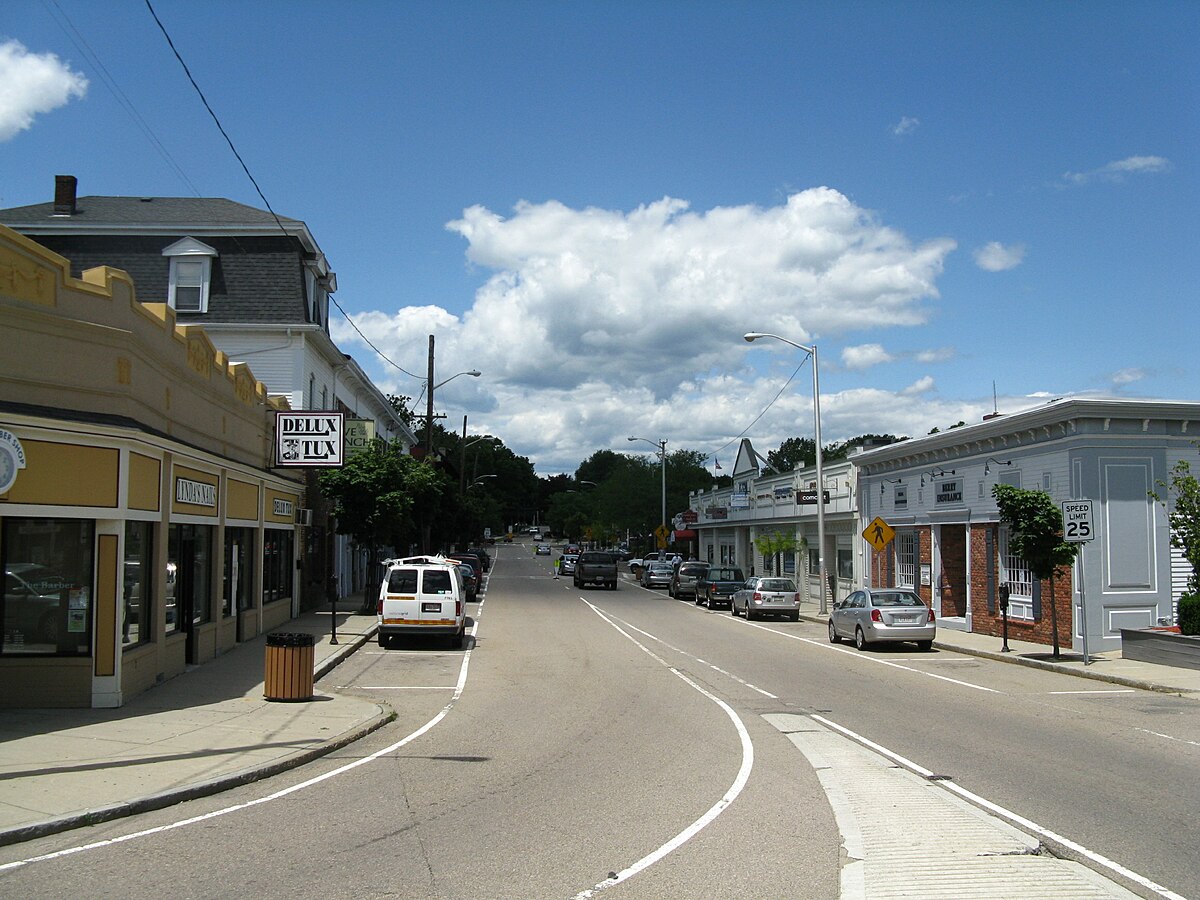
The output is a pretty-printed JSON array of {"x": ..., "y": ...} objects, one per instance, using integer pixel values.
[
  {"x": 478, "y": 481},
  {"x": 752, "y": 336},
  {"x": 662, "y": 455},
  {"x": 430, "y": 386}
]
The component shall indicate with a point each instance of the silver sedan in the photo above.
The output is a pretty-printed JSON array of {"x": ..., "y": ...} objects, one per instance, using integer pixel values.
[
  {"x": 871, "y": 615},
  {"x": 765, "y": 596},
  {"x": 657, "y": 574}
]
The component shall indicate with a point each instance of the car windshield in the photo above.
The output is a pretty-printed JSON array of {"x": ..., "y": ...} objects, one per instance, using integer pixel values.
[
  {"x": 692, "y": 568},
  {"x": 895, "y": 598},
  {"x": 724, "y": 574},
  {"x": 776, "y": 584},
  {"x": 661, "y": 567}
]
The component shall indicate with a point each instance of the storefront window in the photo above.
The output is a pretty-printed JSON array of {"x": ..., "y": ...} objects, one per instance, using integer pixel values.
[
  {"x": 189, "y": 567},
  {"x": 845, "y": 563},
  {"x": 814, "y": 563},
  {"x": 277, "y": 564},
  {"x": 906, "y": 559},
  {"x": 48, "y": 593},
  {"x": 135, "y": 613},
  {"x": 238, "y": 570}
]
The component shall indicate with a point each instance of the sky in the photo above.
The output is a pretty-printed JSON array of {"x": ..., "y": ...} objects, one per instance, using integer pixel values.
[{"x": 961, "y": 206}]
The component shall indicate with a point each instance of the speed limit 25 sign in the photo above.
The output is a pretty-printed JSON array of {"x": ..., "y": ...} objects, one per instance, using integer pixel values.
[{"x": 1077, "y": 521}]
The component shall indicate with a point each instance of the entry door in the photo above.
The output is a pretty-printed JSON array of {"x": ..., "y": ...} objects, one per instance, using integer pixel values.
[
  {"x": 190, "y": 551},
  {"x": 952, "y": 570}
]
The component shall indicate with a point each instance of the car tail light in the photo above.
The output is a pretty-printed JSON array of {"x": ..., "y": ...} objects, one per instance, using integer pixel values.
[
  {"x": 796, "y": 599},
  {"x": 757, "y": 597},
  {"x": 931, "y": 616},
  {"x": 379, "y": 606},
  {"x": 876, "y": 616},
  {"x": 458, "y": 608}
]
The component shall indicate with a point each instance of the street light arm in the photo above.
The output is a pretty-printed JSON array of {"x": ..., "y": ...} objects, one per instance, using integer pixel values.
[{"x": 474, "y": 373}]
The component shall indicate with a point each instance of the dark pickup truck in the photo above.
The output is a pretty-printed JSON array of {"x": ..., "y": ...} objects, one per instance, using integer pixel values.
[
  {"x": 596, "y": 567},
  {"x": 717, "y": 586}
]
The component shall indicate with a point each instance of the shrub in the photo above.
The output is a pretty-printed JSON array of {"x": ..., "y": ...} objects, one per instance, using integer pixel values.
[{"x": 1189, "y": 614}]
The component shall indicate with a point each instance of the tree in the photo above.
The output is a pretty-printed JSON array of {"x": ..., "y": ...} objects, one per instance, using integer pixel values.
[
  {"x": 774, "y": 544},
  {"x": 1181, "y": 501},
  {"x": 376, "y": 496},
  {"x": 1036, "y": 536}
]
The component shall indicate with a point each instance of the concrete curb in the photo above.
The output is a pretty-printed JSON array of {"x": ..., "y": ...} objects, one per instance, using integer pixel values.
[{"x": 163, "y": 799}]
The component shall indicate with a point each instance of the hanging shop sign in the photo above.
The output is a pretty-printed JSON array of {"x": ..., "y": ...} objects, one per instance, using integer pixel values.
[
  {"x": 359, "y": 434},
  {"x": 12, "y": 459},
  {"x": 195, "y": 493},
  {"x": 310, "y": 439}
]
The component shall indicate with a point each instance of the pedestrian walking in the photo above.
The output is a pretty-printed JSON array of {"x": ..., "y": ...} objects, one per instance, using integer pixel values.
[{"x": 557, "y": 565}]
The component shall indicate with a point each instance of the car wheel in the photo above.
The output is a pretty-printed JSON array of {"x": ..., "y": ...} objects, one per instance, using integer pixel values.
[
  {"x": 860, "y": 639},
  {"x": 750, "y": 614},
  {"x": 456, "y": 641},
  {"x": 733, "y": 609},
  {"x": 795, "y": 617},
  {"x": 385, "y": 641},
  {"x": 834, "y": 637},
  {"x": 925, "y": 646}
]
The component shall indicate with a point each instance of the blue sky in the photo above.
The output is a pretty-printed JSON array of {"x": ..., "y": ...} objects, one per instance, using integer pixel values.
[{"x": 592, "y": 202}]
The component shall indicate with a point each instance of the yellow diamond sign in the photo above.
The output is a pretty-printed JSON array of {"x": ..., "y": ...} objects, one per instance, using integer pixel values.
[{"x": 879, "y": 533}]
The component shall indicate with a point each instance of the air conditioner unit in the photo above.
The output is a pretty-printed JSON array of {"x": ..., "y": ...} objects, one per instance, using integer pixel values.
[{"x": 304, "y": 517}]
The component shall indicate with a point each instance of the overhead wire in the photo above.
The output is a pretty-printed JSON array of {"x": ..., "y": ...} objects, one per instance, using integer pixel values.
[
  {"x": 764, "y": 411},
  {"x": 246, "y": 169}
]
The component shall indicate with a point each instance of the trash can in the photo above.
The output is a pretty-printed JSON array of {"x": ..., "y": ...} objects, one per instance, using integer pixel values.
[{"x": 289, "y": 667}]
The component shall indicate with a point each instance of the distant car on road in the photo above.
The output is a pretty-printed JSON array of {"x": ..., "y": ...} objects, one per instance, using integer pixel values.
[
  {"x": 657, "y": 574},
  {"x": 766, "y": 596},
  {"x": 716, "y": 586},
  {"x": 566, "y": 565},
  {"x": 875, "y": 615},
  {"x": 541, "y": 550}
]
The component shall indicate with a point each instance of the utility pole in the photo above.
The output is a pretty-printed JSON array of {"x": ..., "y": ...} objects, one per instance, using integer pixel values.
[{"x": 429, "y": 406}]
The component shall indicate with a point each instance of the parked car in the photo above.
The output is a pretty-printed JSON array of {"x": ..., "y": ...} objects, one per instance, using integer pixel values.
[
  {"x": 422, "y": 595},
  {"x": 766, "y": 596},
  {"x": 470, "y": 582},
  {"x": 657, "y": 574},
  {"x": 596, "y": 567},
  {"x": 874, "y": 615},
  {"x": 683, "y": 582},
  {"x": 469, "y": 559},
  {"x": 716, "y": 586},
  {"x": 482, "y": 553},
  {"x": 566, "y": 564}
]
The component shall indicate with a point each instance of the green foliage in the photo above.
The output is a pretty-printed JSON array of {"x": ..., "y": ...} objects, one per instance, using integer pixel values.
[
  {"x": 1036, "y": 524},
  {"x": 772, "y": 544},
  {"x": 1182, "y": 504},
  {"x": 1189, "y": 614},
  {"x": 798, "y": 452}
]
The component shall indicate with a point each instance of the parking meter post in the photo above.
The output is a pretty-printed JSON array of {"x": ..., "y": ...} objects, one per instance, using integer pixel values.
[{"x": 331, "y": 587}]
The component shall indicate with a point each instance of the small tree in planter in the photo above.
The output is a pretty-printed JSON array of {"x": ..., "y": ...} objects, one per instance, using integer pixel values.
[
  {"x": 771, "y": 546},
  {"x": 1037, "y": 537},
  {"x": 1183, "y": 493}
]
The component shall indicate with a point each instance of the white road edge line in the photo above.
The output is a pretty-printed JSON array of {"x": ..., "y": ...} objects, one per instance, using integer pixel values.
[
  {"x": 739, "y": 783},
  {"x": 996, "y": 809},
  {"x": 341, "y": 770}
]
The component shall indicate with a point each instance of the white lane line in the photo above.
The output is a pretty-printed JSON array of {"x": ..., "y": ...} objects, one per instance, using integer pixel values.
[
  {"x": 1120, "y": 691},
  {"x": 341, "y": 770},
  {"x": 868, "y": 658},
  {"x": 743, "y": 776},
  {"x": 398, "y": 687},
  {"x": 1028, "y": 824},
  {"x": 683, "y": 652},
  {"x": 1168, "y": 737}
]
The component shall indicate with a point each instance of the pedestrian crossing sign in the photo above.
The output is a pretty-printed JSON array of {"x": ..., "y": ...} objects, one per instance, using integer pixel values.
[{"x": 879, "y": 533}]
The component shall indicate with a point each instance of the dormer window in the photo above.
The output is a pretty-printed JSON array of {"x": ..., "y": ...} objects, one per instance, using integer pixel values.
[{"x": 191, "y": 275}]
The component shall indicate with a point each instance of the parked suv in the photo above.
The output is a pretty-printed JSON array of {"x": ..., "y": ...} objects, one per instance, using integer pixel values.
[
  {"x": 683, "y": 583},
  {"x": 422, "y": 595},
  {"x": 716, "y": 586}
]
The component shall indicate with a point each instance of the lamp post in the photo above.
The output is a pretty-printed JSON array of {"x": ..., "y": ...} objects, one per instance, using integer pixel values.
[
  {"x": 430, "y": 386},
  {"x": 752, "y": 336},
  {"x": 662, "y": 455}
]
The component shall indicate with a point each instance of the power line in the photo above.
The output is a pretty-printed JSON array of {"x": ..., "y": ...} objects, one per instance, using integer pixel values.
[{"x": 754, "y": 422}]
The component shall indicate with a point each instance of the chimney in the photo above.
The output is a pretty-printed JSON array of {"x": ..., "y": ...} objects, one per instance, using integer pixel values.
[{"x": 64, "y": 194}]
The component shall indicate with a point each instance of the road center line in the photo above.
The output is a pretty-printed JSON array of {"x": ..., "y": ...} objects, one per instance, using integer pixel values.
[{"x": 743, "y": 775}]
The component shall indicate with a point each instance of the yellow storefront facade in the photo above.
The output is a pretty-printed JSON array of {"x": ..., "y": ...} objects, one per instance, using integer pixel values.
[{"x": 142, "y": 529}]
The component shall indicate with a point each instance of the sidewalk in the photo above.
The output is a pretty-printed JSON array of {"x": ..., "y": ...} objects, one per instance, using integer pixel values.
[
  {"x": 204, "y": 731},
  {"x": 210, "y": 729}
]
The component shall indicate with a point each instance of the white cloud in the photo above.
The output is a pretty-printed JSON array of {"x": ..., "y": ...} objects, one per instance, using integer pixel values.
[
  {"x": 939, "y": 354},
  {"x": 1117, "y": 170},
  {"x": 906, "y": 125},
  {"x": 995, "y": 257},
  {"x": 596, "y": 324},
  {"x": 31, "y": 84},
  {"x": 1127, "y": 376},
  {"x": 864, "y": 356}
]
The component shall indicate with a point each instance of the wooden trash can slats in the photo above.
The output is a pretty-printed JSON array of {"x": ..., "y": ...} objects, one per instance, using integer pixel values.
[{"x": 288, "y": 669}]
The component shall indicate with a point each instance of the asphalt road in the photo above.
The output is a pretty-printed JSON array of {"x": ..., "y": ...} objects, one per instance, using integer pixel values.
[{"x": 586, "y": 735}]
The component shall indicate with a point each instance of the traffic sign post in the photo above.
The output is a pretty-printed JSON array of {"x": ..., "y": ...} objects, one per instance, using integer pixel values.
[
  {"x": 1079, "y": 529},
  {"x": 878, "y": 534}
]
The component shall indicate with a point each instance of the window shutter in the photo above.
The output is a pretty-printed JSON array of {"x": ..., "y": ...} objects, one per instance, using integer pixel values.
[{"x": 1037, "y": 598}]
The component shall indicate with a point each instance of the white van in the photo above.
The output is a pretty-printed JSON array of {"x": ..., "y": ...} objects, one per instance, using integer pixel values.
[{"x": 422, "y": 595}]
